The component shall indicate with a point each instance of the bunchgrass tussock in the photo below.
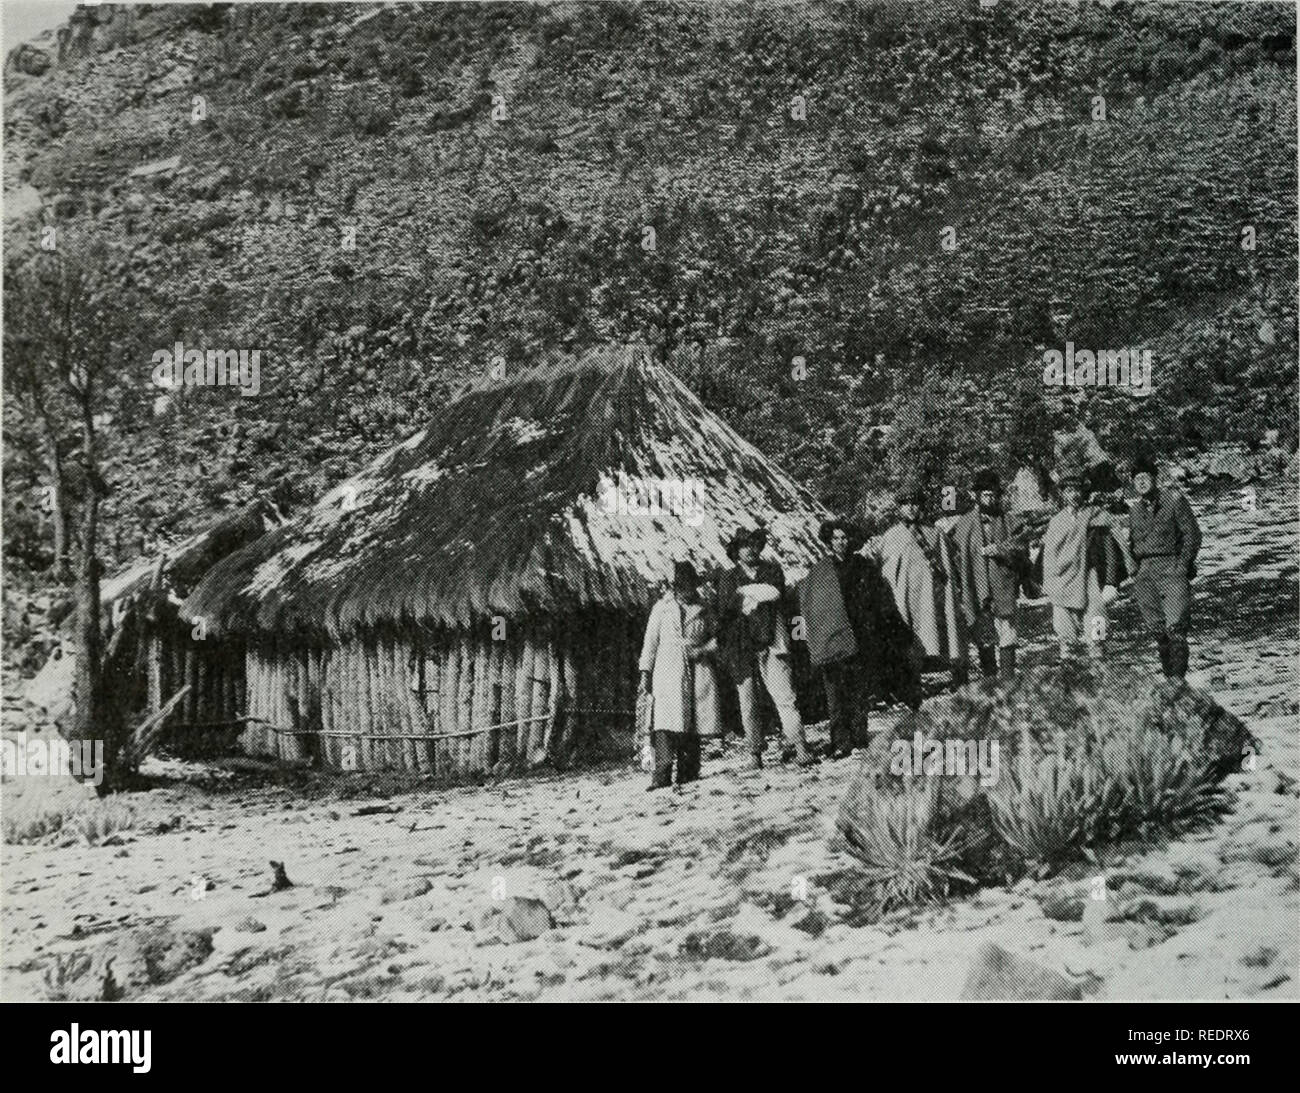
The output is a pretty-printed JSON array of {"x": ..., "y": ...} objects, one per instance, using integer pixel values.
[
  {"x": 907, "y": 860},
  {"x": 88, "y": 822}
]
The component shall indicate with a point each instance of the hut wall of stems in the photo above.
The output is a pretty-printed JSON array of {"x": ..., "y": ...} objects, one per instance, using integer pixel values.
[
  {"x": 209, "y": 717},
  {"x": 450, "y": 703}
]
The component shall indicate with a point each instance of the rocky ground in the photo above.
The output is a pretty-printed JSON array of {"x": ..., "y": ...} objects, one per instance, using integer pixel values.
[{"x": 584, "y": 886}]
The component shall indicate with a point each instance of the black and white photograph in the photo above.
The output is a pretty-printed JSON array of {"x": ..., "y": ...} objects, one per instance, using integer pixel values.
[{"x": 651, "y": 501}]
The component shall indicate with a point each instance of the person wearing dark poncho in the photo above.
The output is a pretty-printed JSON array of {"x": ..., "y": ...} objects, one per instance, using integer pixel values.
[{"x": 840, "y": 602}]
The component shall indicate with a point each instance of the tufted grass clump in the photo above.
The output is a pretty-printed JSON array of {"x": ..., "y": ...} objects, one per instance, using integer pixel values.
[{"x": 1090, "y": 756}]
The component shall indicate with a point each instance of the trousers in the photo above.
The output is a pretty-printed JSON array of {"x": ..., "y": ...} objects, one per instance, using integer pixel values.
[
  {"x": 679, "y": 748},
  {"x": 774, "y": 673}
]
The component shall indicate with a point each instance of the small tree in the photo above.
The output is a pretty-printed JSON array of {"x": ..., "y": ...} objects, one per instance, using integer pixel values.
[{"x": 70, "y": 325}]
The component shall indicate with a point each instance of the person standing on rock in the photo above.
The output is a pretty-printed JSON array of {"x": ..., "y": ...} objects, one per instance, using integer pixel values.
[
  {"x": 1164, "y": 540},
  {"x": 992, "y": 554},
  {"x": 1081, "y": 568},
  {"x": 756, "y": 643},
  {"x": 677, "y": 671},
  {"x": 839, "y": 602},
  {"x": 917, "y": 562}
]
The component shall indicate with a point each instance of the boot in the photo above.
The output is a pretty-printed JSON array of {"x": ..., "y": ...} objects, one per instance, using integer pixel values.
[
  {"x": 1008, "y": 660},
  {"x": 755, "y": 761},
  {"x": 1178, "y": 654},
  {"x": 960, "y": 676},
  {"x": 988, "y": 661},
  {"x": 1162, "y": 643},
  {"x": 802, "y": 756}
]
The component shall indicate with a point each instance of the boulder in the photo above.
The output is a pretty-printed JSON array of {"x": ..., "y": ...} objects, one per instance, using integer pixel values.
[
  {"x": 128, "y": 964},
  {"x": 1000, "y": 976},
  {"x": 518, "y": 918},
  {"x": 30, "y": 60},
  {"x": 608, "y": 927}
]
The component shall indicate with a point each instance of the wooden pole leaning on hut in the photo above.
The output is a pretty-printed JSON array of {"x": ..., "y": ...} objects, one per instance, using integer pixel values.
[{"x": 146, "y": 734}]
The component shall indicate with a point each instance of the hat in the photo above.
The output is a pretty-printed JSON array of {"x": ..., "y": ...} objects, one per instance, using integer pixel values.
[
  {"x": 1142, "y": 464},
  {"x": 746, "y": 536},
  {"x": 1073, "y": 472},
  {"x": 830, "y": 527},
  {"x": 987, "y": 479},
  {"x": 684, "y": 577}
]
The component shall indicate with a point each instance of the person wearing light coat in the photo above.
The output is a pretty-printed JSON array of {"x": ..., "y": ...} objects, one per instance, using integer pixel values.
[
  {"x": 1080, "y": 568},
  {"x": 677, "y": 670}
]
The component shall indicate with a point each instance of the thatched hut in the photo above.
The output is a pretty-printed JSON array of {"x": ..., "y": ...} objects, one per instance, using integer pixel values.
[
  {"x": 149, "y": 653},
  {"x": 475, "y": 598}
]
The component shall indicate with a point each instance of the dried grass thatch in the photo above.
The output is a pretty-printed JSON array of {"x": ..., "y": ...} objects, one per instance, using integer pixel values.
[{"x": 498, "y": 507}]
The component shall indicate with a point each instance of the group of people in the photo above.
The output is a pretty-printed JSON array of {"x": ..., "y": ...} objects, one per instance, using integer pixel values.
[{"x": 877, "y": 613}]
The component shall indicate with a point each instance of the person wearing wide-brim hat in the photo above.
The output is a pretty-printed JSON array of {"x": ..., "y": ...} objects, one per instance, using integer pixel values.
[
  {"x": 1164, "y": 538},
  {"x": 747, "y": 538},
  {"x": 677, "y": 672},
  {"x": 991, "y": 549},
  {"x": 1081, "y": 565},
  {"x": 755, "y": 642},
  {"x": 916, "y": 559}
]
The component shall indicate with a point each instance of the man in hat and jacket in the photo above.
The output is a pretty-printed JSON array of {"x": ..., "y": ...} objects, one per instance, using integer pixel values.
[
  {"x": 840, "y": 600},
  {"x": 755, "y": 643},
  {"x": 918, "y": 562},
  {"x": 992, "y": 552},
  {"x": 1164, "y": 539}
]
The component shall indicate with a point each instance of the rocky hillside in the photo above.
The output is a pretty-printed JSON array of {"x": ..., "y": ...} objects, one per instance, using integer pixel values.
[{"x": 384, "y": 198}]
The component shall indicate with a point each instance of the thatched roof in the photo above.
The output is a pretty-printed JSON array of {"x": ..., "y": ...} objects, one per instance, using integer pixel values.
[
  {"x": 184, "y": 563},
  {"x": 501, "y": 506}
]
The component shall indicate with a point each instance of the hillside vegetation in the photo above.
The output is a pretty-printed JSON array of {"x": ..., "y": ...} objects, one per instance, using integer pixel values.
[{"x": 737, "y": 185}]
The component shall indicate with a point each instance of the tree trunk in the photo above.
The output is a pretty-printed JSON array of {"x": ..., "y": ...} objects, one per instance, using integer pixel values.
[
  {"x": 58, "y": 502},
  {"x": 89, "y": 640}
]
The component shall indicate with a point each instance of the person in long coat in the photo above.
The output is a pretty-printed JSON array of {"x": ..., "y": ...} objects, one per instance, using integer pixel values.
[
  {"x": 839, "y": 600},
  {"x": 917, "y": 561},
  {"x": 992, "y": 553},
  {"x": 1082, "y": 568},
  {"x": 755, "y": 643},
  {"x": 677, "y": 670}
]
